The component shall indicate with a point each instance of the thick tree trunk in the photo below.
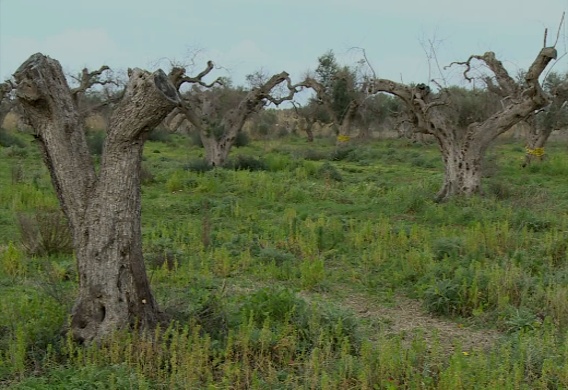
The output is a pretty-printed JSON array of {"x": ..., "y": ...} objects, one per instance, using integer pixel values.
[
  {"x": 104, "y": 212},
  {"x": 536, "y": 139},
  {"x": 216, "y": 151},
  {"x": 463, "y": 170}
]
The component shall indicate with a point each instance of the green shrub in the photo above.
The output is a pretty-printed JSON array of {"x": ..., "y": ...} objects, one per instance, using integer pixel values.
[
  {"x": 160, "y": 134},
  {"x": 443, "y": 298},
  {"x": 315, "y": 155},
  {"x": 341, "y": 153},
  {"x": 247, "y": 163},
  {"x": 199, "y": 165},
  {"x": 521, "y": 319},
  {"x": 45, "y": 232},
  {"x": 95, "y": 141},
  {"x": 281, "y": 308},
  {"x": 242, "y": 139},
  {"x": 451, "y": 247},
  {"x": 8, "y": 139},
  {"x": 329, "y": 172}
]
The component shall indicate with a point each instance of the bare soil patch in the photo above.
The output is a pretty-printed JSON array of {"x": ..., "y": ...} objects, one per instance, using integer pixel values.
[{"x": 407, "y": 318}]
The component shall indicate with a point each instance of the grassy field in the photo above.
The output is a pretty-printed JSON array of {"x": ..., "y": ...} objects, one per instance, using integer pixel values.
[{"x": 313, "y": 268}]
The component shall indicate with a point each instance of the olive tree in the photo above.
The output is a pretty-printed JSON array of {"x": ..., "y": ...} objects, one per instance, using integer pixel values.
[
  {"x": 218, "y": 111},
  {"x": 103, "y": 208},
  {"x": 463, "y": 147}
]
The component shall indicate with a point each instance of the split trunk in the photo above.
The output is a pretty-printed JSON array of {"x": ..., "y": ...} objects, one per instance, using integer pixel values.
[{"x": 103, "y": 210}]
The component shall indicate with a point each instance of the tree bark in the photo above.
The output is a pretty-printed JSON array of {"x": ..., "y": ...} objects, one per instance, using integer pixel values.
[
  {"x": 217, "y": 151},
  {"x": 104, "y": 211},
  {"x": 462, "y": 168}
]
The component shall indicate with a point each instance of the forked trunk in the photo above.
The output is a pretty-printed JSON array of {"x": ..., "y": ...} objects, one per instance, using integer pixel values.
[
  {"x": 103, "y": 211},
  {"x": 113, "y": 287}
]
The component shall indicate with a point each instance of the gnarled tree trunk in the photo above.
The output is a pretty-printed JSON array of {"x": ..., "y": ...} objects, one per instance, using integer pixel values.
[
  {"x": 103, "y": 211},
  {"x": 217, "y": 150},
  {"x": 462, "y": 168}
]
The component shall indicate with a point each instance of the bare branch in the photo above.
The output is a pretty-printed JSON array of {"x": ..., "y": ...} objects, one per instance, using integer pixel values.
[
  {"x": 366, "y": 60},
  {"x": 559, "y": 28},
  {"x": 88, "y": 79},
  {"x": 322, "y": 96},
  {"x": 178, "y": 77},
  {"x": 506, "y": 83}
]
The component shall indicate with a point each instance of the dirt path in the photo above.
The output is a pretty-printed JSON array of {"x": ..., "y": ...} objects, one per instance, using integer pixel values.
[
  {"x": 406, "y": 317},
  {"x": 403, "y": 317}
]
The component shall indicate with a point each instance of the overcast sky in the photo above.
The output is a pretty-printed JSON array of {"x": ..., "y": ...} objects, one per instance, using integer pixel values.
[{"x": 246, "y": 35}]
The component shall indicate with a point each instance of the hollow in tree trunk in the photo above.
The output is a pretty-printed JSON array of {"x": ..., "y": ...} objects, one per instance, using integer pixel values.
[{"x": 104, "y": 209}]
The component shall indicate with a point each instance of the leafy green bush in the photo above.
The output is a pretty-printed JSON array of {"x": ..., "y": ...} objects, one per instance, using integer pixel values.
[
  {"x": 7, "y": 139},
  {"x": 521, "y": 319},
  {"x": 160, "y": 134},
  {"x": 242, "y": 139},
  {"x": 451, "y": 247},
  {"x": 282, "y": 308},
  {"x": 199, "y": 165},
  {"x": 443, "y": 297},
  {"x": 341, "y": 153},
  {"x": 247, "y": 163},
  {"x": 315, "y": 155},
  {"x": 95, "y": 141},
  {"x": 329, "y": 172}
]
